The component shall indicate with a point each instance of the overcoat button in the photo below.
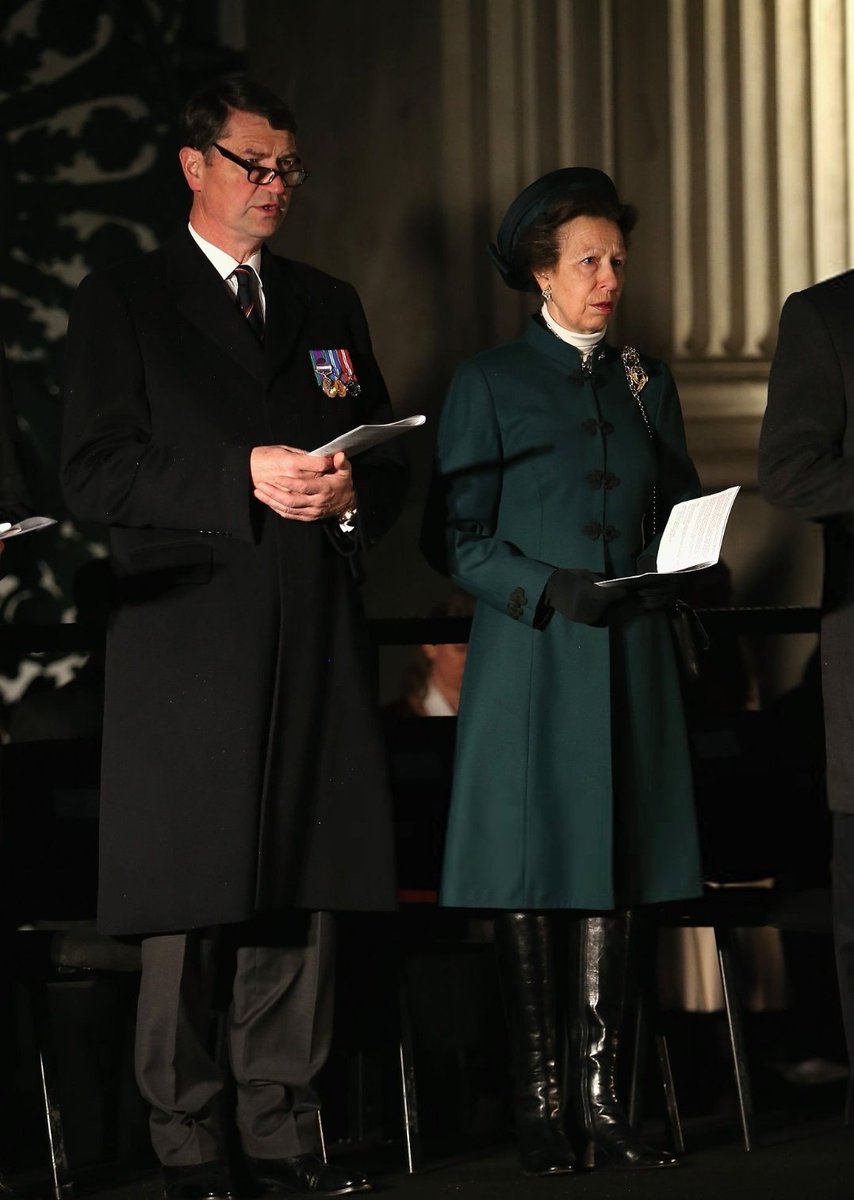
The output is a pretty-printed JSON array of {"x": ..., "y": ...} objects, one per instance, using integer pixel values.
[
  {"x": 610, "y": 481},
  {"x": 591, "y": 425},
  {"x": 610, "y": 533},
  {"x": 594, "y": 479},
  {"x": 592, "y": 530}
]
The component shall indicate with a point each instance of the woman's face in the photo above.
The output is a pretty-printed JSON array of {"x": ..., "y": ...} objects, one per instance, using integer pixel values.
[{"x": 587, "y": 279}]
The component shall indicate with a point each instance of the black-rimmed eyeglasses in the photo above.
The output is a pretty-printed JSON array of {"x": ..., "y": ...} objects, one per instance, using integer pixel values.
[{"x": 293, "y": 175}]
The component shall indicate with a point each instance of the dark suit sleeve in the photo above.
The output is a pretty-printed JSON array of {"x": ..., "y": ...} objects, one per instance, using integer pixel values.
[
  {"x": 801, "y": 462},
  {"x": 15, "y": 500},
  {"x": 114, "y": 469},
  {"x": 381, "y": 474}
]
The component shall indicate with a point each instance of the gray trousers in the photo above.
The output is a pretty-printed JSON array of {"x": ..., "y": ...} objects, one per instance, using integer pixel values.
[{"x": 277, "y": 1032}]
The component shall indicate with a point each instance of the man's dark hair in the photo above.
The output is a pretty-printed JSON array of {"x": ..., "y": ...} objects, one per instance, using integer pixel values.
[
  {"x": 538, "y": 247},
  {"x": 205, "y": 114}
]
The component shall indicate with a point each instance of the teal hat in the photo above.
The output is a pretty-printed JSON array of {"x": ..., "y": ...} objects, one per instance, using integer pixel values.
[{"x": 535, "y": 199}]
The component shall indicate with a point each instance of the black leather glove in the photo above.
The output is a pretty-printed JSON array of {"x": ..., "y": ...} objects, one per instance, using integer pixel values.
[
  {"x": 574, "y": 595},
  {"x": 659, "y": 593}
]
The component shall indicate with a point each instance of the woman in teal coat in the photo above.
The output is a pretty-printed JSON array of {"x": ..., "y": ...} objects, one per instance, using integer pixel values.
[{"x": 559, "y": 458}]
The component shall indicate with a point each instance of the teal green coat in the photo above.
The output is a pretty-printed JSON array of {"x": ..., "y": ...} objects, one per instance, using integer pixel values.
[{"x": 572, "y": 784}]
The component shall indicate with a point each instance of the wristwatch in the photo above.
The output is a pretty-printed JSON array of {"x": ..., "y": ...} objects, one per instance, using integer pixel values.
[{"x": 347, "y": 519}]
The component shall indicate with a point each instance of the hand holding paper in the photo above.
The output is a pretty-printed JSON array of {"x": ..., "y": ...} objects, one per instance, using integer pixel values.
[
  {"x": 300, "y": 486},
  {"x": 691, "y": 540}
]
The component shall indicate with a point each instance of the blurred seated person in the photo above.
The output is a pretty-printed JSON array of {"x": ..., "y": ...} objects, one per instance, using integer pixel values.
[
  {"x": 433, "y": 681},
  {"x": 422, "y": 753}
]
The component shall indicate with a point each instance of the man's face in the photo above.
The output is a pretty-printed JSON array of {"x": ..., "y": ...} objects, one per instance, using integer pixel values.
[{"x": 228, "y": 210}]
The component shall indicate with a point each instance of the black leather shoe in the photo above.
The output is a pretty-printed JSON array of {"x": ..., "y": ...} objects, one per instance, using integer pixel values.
[
  {"x": 307, "y": 1174},
  {"x": 204, "y": 1181},
  {"x": 547, "y": 1158}
]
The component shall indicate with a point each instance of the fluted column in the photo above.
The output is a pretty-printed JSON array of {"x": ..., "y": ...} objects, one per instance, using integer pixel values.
[
  {"x": 783, "y": 218},
  {"x": 792, "y": 134},
  {"x": 565, "y": 40},
  {"x": 758, "y": 275},
  {"x": 683, "y": 282},
  {"x": 527, "y": 86},
  {"x": 720, "y": 297},
  {"x": 829, "y": 165}
]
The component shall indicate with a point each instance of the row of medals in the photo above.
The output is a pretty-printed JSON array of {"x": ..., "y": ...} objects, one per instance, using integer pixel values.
[{"x": 337, "y": 386}]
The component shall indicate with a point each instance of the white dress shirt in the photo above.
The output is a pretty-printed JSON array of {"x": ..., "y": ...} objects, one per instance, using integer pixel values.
[{"x": 224, "y": 264}]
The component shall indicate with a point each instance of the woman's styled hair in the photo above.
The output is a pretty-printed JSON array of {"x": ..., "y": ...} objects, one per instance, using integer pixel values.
[
  {"x": 205, "y": 114},
  {"x": 538, "y": 246}
]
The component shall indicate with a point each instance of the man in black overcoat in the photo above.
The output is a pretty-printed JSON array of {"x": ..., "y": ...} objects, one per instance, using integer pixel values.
[
  {"x": 806, "y": 464},
  {"x": 244, "y": 791}
]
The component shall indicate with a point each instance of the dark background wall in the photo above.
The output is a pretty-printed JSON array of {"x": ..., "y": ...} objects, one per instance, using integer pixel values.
[{"x": 89, "y": 91}]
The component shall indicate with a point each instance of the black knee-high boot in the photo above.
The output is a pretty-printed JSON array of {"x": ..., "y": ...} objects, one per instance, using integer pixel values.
[
  {"x": 526, "y": 961},
  {"x": 599, "y": 960}
]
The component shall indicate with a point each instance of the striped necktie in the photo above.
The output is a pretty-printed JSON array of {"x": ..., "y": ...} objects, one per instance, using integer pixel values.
[{"x": 245, "y": 278}]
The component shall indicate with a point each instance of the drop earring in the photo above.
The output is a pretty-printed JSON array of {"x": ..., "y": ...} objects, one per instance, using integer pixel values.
[{"x": 547, "y": 292}]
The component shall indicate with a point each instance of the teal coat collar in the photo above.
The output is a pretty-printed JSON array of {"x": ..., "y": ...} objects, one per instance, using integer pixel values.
[{"x": 545, "y": 342}]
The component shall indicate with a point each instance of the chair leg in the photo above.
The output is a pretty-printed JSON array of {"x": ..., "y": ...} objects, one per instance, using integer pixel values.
[
  {"x": 63, "y": 1186},
  {"x": 726, "y": 962},
  {"x": 411, "y": 1131},
  {"x": 677, "y": 1142},
  {"x": 673, "y": 1121},
  {"x": 321, "y": 1137}
]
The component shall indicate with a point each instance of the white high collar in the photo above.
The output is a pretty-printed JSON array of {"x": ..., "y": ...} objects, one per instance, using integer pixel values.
[{"x": 583, "y": 342}]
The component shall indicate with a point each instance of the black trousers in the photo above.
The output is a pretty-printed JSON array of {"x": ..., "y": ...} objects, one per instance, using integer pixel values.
[
  {"x": 843, "y": 919},
  {"x": 278, "y": 1027}
]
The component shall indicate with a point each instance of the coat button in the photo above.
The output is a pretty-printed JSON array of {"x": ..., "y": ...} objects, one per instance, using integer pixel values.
[
  {"x": 594, "y": 479},
  {"x": 592, "y": 529},
  {"x": 591, "y": 426},
  {"x": 610, "y": 533},
  {"x": 610, "y": 481}
]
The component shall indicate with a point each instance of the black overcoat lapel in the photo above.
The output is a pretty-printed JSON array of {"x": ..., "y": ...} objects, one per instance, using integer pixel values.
[
  {"x": 287, "y": 304},
  {"x": 200, "y": 294}
]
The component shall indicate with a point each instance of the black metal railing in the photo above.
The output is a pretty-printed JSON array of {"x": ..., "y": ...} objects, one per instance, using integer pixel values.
[{"x": 414, "y": 631}]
